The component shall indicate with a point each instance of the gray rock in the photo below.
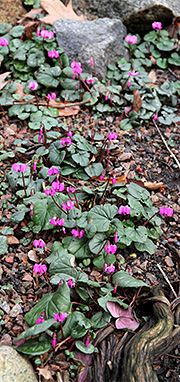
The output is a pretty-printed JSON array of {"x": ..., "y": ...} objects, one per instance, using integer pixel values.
[
  {"x": 14, "y": 367},
  {"x": 137, "y": 15},
  {"x": 102, "y": 38}
]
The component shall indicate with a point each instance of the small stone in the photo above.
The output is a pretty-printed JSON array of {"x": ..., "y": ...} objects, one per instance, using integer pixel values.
[
  {"x": 15, "y": 367},
  {"x": 125, "y": 156},
  {"x": 33, "y": 256},
  {"x": 169, "y": 261},
  {"x": 5, "y": 307},
  {"x": 151, "y": 278},
  {"x": 16, "y": 310},
  {"x": 9, "y": 259}
]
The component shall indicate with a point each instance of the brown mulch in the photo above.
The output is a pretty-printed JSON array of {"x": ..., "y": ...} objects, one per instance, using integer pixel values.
[{"x": 11, "y": 11}]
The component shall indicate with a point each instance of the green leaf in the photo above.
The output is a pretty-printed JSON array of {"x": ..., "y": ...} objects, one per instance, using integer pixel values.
[
  {"x": 56, "y": 156},
  {"x": 125, "y": 124},
  {"x": 162, "y": 63},
  {"x": 124, "y": 280},
  {"x": 83, "y": 348},
  {"x": 81, "y": 158},
  {"x": 100, "y": 319},
  {"x": 97, "y": 243},
  {"x": 138, "y": 192},
  {"x": 7, "y": 231},
  {"x": 18, "y": 216},
  {"x": 101, "y": 216},
  {"x": 17, "y": 31},
  {"x": 48, "y": 77},
  {"x": 74, "y": 319},
  {"x": 174, "y": 59},
  {"x": 3, "y": 245},
  {"x": 36, "y": 329},
  {"x": 4, "y": 28},
  {"x": 56, "y": 302},
  {"x": 165, "y": 45},
  {"x": 36, "y": 346},
  {"x": 102, "y": 301},
  {"x": 147, "y": 246},
  {"x": 36, "y": 57},
  {"x": 94, "y": 169},
  {"x": 79, "y": 247}
]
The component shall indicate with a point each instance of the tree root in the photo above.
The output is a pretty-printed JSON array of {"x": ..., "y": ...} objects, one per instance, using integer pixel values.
[{"x": 128, "y": 357}]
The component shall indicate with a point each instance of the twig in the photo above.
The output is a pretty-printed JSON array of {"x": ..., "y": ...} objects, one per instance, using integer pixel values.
[
  {"x": 54, "y": 105},
  {"x": 174, "y": 74},
  {"x": 172, "y": 154},
  {"x": 167, "y": 280}
]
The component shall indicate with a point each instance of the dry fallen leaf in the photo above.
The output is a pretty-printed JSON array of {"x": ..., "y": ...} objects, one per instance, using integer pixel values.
[
  {"x": 30, "y": 15},
  {"x": 137, "y": 101},
  {"x": 153, "y": 186},
  {"x": 152, "y": 76},
  {"x": 57, "y": 10},
  {"x": 64, "y": 110},
  {"x": 2, "y": 78},
  {"x": 12, "y": 240},
  {"x": 46, "y": 374},
  {"x": 20, "y": 91}
]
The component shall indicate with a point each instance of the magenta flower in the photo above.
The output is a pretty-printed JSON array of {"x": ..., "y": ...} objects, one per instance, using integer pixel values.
[
  {"x": 76, "y": 66},
  {"x": 101, "y": 177},
  {"x": 75, "y": 232},
  {"x": 53, "y": 54},
  {"x": 125, "y": 210},
  {"x": 106, "y": 96},
  {"x": 131, "y": 39},
  {"x": 39, "y": 243},
  {"x": 109, "y": 269},
  {"x": 112, "y": 136},
  {"x": 57, "y": 187},
  {"x": 40, "y": 319},
  {"x": 46, "y": 34},
  {"x": 49, "y": 192},
  {"x": 3, "y": 42},
  {"x": 166, "y": 211},
  {"x": 66, "y": 141},
  {"x": 18, "y": 167},
  {"x": 40, "y": 268},
  {"x": 90, "y": 80},
  {"x": 31, "y": 209},
  {"x": 70, "y": 189},
  {"x": 51, "y": 96},
  {"x": 53, "y": 343},
  {"x": 33, "y": 85},
  {"x": 114, "y": 180},
  {"x": 52, "y": 171},
  {"x": 61, "y": 317},
  {"x": 68, "y": 206},
  {"x": 55, "y": 222},
  {"x": 69, "y": 134},
  {"x": 70, "y": 283},
  {"x": 134, "y": 74},
  {"x": 155, "y": 117},
  {"x": 110, "y": 248},
  {"x": 116, "y": 236},
  {"x": 156, "y": 25},
  {"x": 125, "y": 317}
]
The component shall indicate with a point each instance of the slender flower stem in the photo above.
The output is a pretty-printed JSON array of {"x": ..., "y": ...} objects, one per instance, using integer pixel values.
[
  {"x": 58, "y": 205},
  {"x": 93, "y": 257},
  {"x": 61, "y": 330},
  {"x": 24, "y": 185},
  {"x": 61, "y": 65},
  {"x": 36, "y": 98},
  {"x": 101, "y": 200},
  {"x": 150, "y": 219},
  {"x": 77, "y": 204},
  {"x": 87, "y": 87},
  {"x": 104, "y": 264}
]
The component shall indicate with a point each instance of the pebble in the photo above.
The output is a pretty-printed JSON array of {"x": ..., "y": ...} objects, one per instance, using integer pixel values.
[
  {"x": 16, "y": 310},
  {"x": 15, "y": 367}
]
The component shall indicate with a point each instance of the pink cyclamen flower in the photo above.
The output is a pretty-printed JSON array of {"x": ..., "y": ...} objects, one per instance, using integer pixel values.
[
  {"x": 156, "y": 25},
  {"x": 112, "y": 136},
  {"x": 51, "y": 96},
  {"x": 55, "y": 221},
  {"x": 70, "y": 189},
  {"x": 101, "y": 177},
  {"x": 75, "y": 232},
  {"x": 116, "y": 236},
  {"x": 155, "y": 117},
  {"x": 33, "y": 85},
  {"x": 3, "y": 42},
  {"x": 60, "y": 317},
  {"x": 90, "y": 80},
  {"x": 110, "y": 248},
  {"x": 46, "y": 34},
  {"x": 70, "y": 283},
  {"x": 31, "y": 208},
  {"x": 53, "y": 54},
  {"x": 69, "y": 134},
  {"x": 166, "y": 211},
  {"x": 114, "y": 180},
  {"x": 53, "y": 343},
  {"x": 76, "y": 66},
  {"x": 66, "y": 141},
  {"x": 58, "y": 187},
  {"x": 18, "y": 167},
  {"x": 134, "y": 74},
  {"x": 131, "y": 39},
  {"x": 40, "y": 268},
  {"x": 52, "y": 171},
  {"x": 106, "y": 96},
  {"x": 40, "y": 319},
  {"x": 49, "y": 192},
  {"x": 125, "y": 210},
  {"x": 39, "y": 243},
  {"x": 91, "y": 62},
  {"x": 68, "y": 206},
  {"x": 109, "y": 268}
]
